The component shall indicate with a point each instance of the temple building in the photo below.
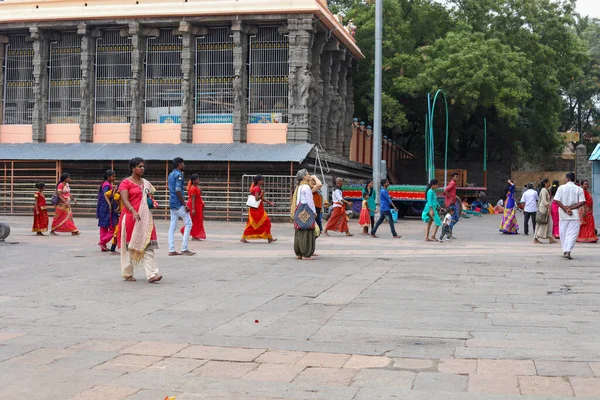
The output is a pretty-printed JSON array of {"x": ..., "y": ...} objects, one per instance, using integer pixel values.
[{"x": 236, "y": 87}]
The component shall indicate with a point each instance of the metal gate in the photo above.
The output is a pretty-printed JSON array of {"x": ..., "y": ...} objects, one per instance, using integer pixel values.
[{"x": 278, "y": 189}]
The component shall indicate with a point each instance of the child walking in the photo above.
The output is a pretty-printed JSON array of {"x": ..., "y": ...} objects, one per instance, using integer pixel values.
[
  {"x": 446, "y": 228},
  {"x": 365, "y": 216},
  {"x": 40, "y": 213}
]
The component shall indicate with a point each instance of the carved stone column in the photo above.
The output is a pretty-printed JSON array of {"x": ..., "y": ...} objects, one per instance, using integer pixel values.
[
  {"x": 326, "y": 62},
  {"x": 342, "y": 88},
  {"x": 334, "y": 110},
  {"x": 240, "y": 81},
  {"x": 3, "y": 42},
  {"x": 316, "y": 92},
  {"x": 188, "y": 33},
  {"x": 349, "y": 106},
  {"x": 86, "y": 113},
  {"x": 41, "y": 54},
  {"x": 138, "y": 75},
  {"x": 300, "y": 61}
]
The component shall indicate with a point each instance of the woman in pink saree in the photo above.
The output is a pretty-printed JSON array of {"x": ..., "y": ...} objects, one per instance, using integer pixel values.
[
  {"x": 554, "y": 210},
  {"x": 137, "y": 231},
  {"x": 63, "y": 216}
]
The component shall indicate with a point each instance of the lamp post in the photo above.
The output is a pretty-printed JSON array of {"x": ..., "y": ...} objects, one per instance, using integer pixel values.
[{"x": 377, "y": 94}]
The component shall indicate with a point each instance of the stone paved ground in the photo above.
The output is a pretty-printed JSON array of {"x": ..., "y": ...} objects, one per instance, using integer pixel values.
[{"x": 486, "y": 317}]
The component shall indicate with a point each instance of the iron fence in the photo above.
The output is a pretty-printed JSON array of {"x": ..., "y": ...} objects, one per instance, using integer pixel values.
[
  {"x": 18, "y": 81},
  {"x": 113, "y": 78},
  {"x": 278, "y": 189},
  {"x": 64, "y": 96}
]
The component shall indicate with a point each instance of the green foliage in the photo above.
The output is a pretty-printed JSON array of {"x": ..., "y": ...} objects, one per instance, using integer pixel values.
[{"x": 522, "y": 64}]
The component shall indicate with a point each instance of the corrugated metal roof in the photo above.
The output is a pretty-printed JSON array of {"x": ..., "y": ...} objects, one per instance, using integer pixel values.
[
  {"x": 596, "y": 154},
  {"x": 243, "y": 152}
]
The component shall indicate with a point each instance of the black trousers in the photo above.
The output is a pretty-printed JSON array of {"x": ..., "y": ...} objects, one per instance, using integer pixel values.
[{"x": 529, "y": 215}]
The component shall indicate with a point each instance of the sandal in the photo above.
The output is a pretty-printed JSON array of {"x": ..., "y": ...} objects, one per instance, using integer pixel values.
[
  {"x": 187, "y": 253},
  {"x": 130, "y": 279},
  {"x": 174, "y": 253},
  {"x": 155, "y": 279},
  {"x": 75, "y": 233},
  {"x": 349, "y": 234}
]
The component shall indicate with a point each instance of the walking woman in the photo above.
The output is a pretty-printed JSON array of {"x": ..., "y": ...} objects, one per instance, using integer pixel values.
[
  {"x": 543, "y": 227},
  {"x": 554, "y": 211},
  {"x": 509, "y": 225},
  {"x": 430, "y": 213},
  {"x": 107, "y": 221},
  {"x": 63, "y": 216},
  {"x": 304, "y": 239},
  {"x": 368, "y": 194},
  {"x": 196, "y": 206},
  {"x": 259, "y": 223},
  {"x": 587, "y": 232},
  {"x": 137, "y": 238},
  {"x": 338, "y": 220},
  {"x": 40, "y": 213}
]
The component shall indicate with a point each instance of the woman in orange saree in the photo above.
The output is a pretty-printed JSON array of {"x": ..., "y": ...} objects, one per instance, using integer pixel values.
[
  {"x": 196, "y": 206},
  {"x": 587, "y": 231},
  {"x": 63, "y": 216},
  {"x": 40, "y": 213},
  {"x": 259, "y": 223}
]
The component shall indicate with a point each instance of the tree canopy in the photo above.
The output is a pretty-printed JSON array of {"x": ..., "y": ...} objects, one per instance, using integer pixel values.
[{"x": 530, "y": 67}]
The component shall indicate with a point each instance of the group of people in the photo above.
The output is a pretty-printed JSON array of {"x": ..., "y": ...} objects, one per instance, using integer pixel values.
[
  {"x": 432, "y": 210},
  {"x": 63, "y": 214},
  {"x": 564, "y": 212}
]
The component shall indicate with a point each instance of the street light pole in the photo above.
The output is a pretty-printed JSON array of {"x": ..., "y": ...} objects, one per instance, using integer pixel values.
[{"x": 377, "y": 95}]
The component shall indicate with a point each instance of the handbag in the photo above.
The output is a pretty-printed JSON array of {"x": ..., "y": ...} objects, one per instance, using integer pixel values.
[
  {"x": 541, "y": 218},
  {"x": 304, "y": 218},
  {"x": 252, "y": 202},
  {"x": 55, "y": 199},
  {"x": 151, "y": 203}
]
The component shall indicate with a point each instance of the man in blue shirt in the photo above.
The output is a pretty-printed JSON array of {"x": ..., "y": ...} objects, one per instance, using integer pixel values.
[
  {"x": 385, "y": 205},
  {"x": 178, "y": 209}
]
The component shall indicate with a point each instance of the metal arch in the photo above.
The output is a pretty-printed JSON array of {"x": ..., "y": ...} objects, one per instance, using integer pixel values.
[{"x": 429, "y": 142}]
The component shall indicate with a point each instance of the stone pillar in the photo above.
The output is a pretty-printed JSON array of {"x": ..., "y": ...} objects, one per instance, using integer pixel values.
[
  {"x": 334, "y": 110},
  {"x": 326, "y": 61},
  {"x": 349, "y": 107},
  {"x": 316, "y": 92},
  {"x": 582, "y": 164},
  {"x": 3, "y": 42},
  {"x": 300, "y": 81},
  {"x": 86, "y": 114},
  {"x": 188, "y": 50},
  {"x": 41, "y": 55},
  {"x": 138, "y": 75},
  {"x": 342, "y": 88},
  {"x": 240, "y": 81}
]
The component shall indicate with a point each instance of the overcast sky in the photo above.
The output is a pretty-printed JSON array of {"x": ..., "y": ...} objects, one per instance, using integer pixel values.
[{"x": 589, "y": 7}]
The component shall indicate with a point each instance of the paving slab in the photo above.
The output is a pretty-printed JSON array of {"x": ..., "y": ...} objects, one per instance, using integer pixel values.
[{"x": 368, "y": 319}]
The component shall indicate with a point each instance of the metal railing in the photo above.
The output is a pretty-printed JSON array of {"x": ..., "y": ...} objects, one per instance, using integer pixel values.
[
  {"x": 18, "y": 81},
  {"x": 278, "y": 189},
  {"x": 64, "y": 96}
]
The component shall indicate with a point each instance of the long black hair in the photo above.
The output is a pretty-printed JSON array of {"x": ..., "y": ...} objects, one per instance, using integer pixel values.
[
  {"x": 193, "y": 177},
  {"x": 543, "y": 183},
  {"x": 433, "y": 182},
  {"x": 554, "y": 188},
  {"x": 134, "y": 162},
  {"x": 63, "y": 177},
  {"x": 107, "y": 174},
  {"x": 369, "y": 191}
]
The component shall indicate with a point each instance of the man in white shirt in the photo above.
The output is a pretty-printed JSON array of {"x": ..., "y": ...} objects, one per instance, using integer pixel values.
[
  {"x": 530, "y": 198},
  {"x": 569, "y": 198}
]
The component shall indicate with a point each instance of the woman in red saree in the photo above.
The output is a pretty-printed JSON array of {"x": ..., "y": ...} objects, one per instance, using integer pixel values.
[
  {"x": 63, "y": 216},
  {"x": 196, "y": 206},
  {"x": 587, "y": 232},
  {"x": 40, "y": 213},
  {"x": 259, "y": 223},
  {"x": 137, "y": 230}
]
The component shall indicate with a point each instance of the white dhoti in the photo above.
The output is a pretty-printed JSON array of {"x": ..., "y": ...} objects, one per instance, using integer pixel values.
[{"x": 569, "y": 231}]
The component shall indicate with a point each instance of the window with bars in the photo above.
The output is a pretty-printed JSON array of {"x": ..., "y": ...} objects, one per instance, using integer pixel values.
[
  {"x": 18, "y": 85},
  {"x": 214, "y": 77},
  {"x": 113, "y": 78},
  {"x": 163, "y": 78},
  {"x": 268, "y": 78},
  {"x": 65, "y": 77}
]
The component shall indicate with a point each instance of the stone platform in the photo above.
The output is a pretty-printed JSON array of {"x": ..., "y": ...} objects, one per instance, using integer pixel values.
[{"x": 484, "y": 317}]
